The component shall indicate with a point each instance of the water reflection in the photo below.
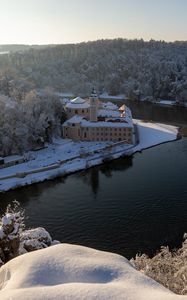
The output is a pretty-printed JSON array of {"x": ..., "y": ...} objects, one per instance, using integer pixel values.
[
  {"x": 91, "y": 176},
  {"x": 121, "y": 164},
  {"x": 25, "y": 194}
]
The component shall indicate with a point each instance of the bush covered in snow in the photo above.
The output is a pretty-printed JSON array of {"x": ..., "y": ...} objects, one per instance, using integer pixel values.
[
  {"x": 167, "y": 267},
  {"x": 15, "y": 240}
]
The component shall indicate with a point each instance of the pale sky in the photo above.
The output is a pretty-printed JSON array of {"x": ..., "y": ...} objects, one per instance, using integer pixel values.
[{"x": 72, "y": 21}]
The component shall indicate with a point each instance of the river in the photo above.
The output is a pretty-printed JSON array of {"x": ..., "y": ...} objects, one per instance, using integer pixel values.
[{"x": 128, "y": 206}]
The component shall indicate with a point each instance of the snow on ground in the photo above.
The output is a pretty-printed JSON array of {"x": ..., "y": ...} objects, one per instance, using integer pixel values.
[
  {"x": 67, "y": 271},
  {"x": 65, "y": 94},
  {"x": 110, "y": 97},
  {"x": 166, "y": 102},
  {"x": 170, "y": 103},
  {"x": 48, "y": 163},
  {"x": 151, "y": 134}
]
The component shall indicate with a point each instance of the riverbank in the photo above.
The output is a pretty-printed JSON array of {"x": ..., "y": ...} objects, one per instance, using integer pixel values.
[{"x": 64, "y": 157}]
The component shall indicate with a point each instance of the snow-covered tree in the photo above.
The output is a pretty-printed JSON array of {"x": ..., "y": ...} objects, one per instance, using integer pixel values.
[{"x": 167, "y": 267}]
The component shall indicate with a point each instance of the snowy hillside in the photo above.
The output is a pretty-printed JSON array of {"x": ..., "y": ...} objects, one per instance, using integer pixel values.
[
  {"x": 74, "y": 272},
  {"x": 138, "y": 69}
]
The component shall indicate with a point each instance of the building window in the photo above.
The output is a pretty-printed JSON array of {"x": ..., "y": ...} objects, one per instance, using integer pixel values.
[
  {"x": 84, "y": 134},
  {"x": 76, "y": 112},
  {"x": 82, "y": 110},
  {"x": 73, "y": 124}
]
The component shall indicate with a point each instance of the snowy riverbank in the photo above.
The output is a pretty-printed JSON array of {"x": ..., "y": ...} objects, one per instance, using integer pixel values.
[
  {"x": 67, "y": 271},
  {"x": 170, "y": 103},
  {"x": 64, "y": 156}
]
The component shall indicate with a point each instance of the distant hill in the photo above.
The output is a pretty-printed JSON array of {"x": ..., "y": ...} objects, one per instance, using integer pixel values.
[
  {"x": 19, "y": 48},
  {"x": 140, "y": 70}
]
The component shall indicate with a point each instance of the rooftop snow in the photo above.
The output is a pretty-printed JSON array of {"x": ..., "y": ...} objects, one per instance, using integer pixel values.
[
  {"x": 85, "y": 123},
  {"x": 78, "y": 100},
  {"x": 78, "y": 103},
  {"x": 109, "y": 105},
  {"x": 108, "y": 113},
  {"x": 75, "y": 119},
  {"x": 124, "y": 123}
]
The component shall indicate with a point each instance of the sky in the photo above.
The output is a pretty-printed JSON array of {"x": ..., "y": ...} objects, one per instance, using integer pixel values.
[{"x": 73, "y": 21}]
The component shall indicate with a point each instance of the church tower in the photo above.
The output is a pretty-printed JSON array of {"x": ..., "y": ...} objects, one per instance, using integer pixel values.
[{"x": 93, "y": 106}]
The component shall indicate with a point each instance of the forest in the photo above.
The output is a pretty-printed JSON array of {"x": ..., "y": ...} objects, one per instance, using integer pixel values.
[
  {"x": 140, "y": 70},
  {"x": 136, "y": 68}
]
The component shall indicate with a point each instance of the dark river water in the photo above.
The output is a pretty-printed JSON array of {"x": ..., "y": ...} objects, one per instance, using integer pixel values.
[{"x": 127, "y": 206}]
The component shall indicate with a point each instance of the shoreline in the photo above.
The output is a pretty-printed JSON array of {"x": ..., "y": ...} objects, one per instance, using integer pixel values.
[{"x": 51, "y": 164}]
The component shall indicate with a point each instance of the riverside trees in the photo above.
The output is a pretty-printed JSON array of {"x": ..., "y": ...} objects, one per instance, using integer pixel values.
[{"x": 28, "y": 122}]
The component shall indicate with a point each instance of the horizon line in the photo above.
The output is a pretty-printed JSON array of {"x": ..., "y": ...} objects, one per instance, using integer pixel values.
[{"x": 94, "y": 40}]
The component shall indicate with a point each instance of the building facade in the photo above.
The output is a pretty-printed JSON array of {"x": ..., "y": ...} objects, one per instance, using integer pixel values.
[{"x": 91, "y": 120}]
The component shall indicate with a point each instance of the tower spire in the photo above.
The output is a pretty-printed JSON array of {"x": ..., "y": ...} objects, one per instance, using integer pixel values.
[
  {"x": 93, "y": 106},
  {"x": 93, "y": 93}
]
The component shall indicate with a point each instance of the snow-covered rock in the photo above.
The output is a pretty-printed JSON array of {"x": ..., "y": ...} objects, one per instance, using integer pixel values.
[
  {"x": 15, "y": 240},
  {"x": 74, "y": 272},
  {"x": 7, "y": 219},
  {"x": 34, "y": 239}
]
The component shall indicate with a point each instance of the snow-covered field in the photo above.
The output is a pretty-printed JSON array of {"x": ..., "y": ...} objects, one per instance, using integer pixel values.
[
  {"x": 67, "y": 271},
  {"x": 106, "y": 96},
  {"x": 170, "y": 103},
  {"x": 152, "y": 134},
  {"x": 166, "y": 102},
  {"x": 51, "y": 162}
]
